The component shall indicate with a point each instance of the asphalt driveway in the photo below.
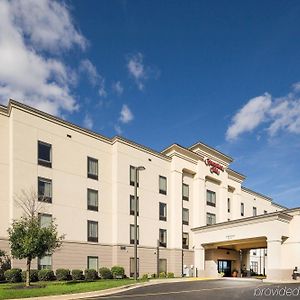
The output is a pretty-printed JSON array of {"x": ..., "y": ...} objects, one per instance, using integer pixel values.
[{"x": 211, "y": 289}]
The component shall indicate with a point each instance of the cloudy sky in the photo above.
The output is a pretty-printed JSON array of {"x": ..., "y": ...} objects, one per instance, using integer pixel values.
[{"x": 158, "y": 72}]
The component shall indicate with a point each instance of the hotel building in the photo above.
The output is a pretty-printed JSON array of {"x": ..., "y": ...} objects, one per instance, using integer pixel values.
[{"x": 190, "y": 201}]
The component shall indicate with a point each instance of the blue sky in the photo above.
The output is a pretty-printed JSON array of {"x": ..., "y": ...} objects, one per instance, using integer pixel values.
[{"x": 158, "y": 72}]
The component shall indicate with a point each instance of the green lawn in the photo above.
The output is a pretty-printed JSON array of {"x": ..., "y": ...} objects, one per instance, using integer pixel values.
[{"x": 13, "y": 290}]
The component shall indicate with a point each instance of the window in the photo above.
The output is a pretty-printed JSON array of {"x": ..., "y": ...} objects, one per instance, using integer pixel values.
[
  {"x": 162, "y": 211},
  {"x": 45, "y": 220},
  {"x": 44, "y": 154},
  {"x": 185, "y": 240},
  {"x": 92, "y": 200},
  {"x": 163, "y": 237},
  {"x": 92, "y": 262},
  {"x": 45, "y": 262},
  {"x": 92, "y": 231},
  {"x": 92, "y": 168},
  {"x": 228, "y": 205},
  {"x": 132, "y": 171},
  {"x": 45, "y": 190},
  {"x": 163, "y": 185},
  {"x": 132, "y": 266},
  {"x": 254, "y": 266},
  {"x": 254, "y": 211},
  {"x": 132, "y": 205},
  {"x": 185, "y": 216},
  {"x": 210, "y": 219},
  {"x": 162, "y": 265},
  {"x": 185, "y": 192},
  {"x": 132, "y": 234},
  {"x": 265, "y": 212},
  {"x": 210, "y": 198},
  {"x": 242, "y": 209}
]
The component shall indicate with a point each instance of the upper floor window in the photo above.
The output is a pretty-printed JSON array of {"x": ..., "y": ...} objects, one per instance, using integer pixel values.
[
  {"x": 132, "y": 205},
  {"x": 45, "y": 220},
  {"x": 44, "y": 154},
  {"x": 45, "y": 190},
  {"x": 265, "y": 212},
  {"x": 163, "y": 237},
  {"x": 132, "y": 235},
  {"x": 92, "y": 199},
  {"x": 92, "y": 262},
  {"x": 162, "y": 211},
  {"x": 163, "y": 185},
  {"x": 92, "y": 168},
  {"x": 185, "y": 192},
  {"x": 132, "y": 174},
  {"x": 242, "y": 209},
  {"x": 210, "y": 198},
  {"x": 228, "y": 205},
  {"x": 92, "y": 231},
  {"x": 210, "y": 219},
  {"x": 254, "y": 211},
  {"x": 185, "y": 240},
  {"x": 185, "y": 216}
]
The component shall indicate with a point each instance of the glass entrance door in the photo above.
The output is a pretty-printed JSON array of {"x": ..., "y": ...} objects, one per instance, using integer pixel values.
[{"x": 224, "y": 266}]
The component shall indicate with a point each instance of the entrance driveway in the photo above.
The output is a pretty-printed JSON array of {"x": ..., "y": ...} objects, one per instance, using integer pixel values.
[{"x": 210, "y": 289}]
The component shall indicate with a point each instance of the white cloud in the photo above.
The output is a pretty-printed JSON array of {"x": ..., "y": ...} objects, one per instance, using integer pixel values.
[
  {"x": 88, "y": 122},
  {"x": 26, "y": 74},
  {"x": 87, "y": 67},
  {"x": 281, "y": 114},
  {"x": 125, "y": 115},
  {"x": 136, "y": 69},
  {"x": 118, "y": 129},
  {"x": 249, "y": 117},
  {"x": 118, "y": 88}
]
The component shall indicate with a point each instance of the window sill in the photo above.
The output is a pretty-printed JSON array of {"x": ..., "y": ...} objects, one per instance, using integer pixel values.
[{"x": 45, "y": 163}]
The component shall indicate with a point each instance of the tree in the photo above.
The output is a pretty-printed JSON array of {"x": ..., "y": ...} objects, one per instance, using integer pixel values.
[
  {"x": 28, "y": 239},
  {"x": 4, "y": 261}
]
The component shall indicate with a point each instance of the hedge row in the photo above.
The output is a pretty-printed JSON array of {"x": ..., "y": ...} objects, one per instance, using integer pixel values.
[{"x": 16, "y": 275}]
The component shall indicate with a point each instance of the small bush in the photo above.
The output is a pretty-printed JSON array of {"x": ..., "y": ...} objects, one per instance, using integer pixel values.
[
  {"x": 117, "y": 271},
  {"x": 33, "y": 275},
  {"x": 105, "y": 273},
  {"x": 77, "y": 274},
  {"x": 145, "y": 277},
  {"x": 153, "y": 275},
  {"x": 2, "y": 278},
  {"x": 13, "y": 275},
  {"x": 90, "y": 274},
  {"x": 170, "y": 275},
  {"x": 162, "y": 275},
  {"x": 46, "y": 275},
  {"x": 63, "y": 274}
]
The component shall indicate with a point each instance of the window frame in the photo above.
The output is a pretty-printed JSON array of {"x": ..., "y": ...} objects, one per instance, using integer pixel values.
[
  {"x": 208, "y": 214},
  {"x": 228, "y": 205},
  {"x": 186, "y": 222},
  {"x": 48, "y": 267},
  {"x": 91, "y": 175},
  {"x": 185, "y": 246},
  {"x": 41, "y": 161},
  {"x": 160, "y": 261},
  {"x": 161, "y": 243},
  {"x": 91, "y": 238},
  {"x": 242, "y": 209},
  {"x": 92, "y": 207},
  {"x": 131, "y": 238},
  {"x": 162, "y": 217},
  {"x": 131, "y": 182},
  {"x": 186, "y": 198},
  {"x": 40, "y": 215},
  {"x": 46, "y": 199},
  {"x": 163, "y": 192},
  {"x": 93, "y": 257},
  {"x": 131, "y": 274},
  {"x": 131, "y": 210},
  {"x": 254, "y": 211},
  {"x": 210, "y": 203}
]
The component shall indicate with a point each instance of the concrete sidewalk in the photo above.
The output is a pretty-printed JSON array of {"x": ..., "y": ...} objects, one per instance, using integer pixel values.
[{"x": 116, "y": 290}]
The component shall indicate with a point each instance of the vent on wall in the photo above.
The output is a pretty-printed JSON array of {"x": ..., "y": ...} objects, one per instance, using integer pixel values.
[
  {"x": 69, "y": 136},
  {"x": 122, "y": 248}
]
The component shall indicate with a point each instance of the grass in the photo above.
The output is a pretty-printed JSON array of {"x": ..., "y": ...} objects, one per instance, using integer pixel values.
[{"x": 15, "y": 290}]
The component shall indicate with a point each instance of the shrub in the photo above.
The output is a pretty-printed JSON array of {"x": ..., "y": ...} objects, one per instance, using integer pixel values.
[
  {"x": 170, "y": 275},
  {"x": 145, "y": 277},
  {"x": 153, "y": 275},
  {"x": 33, "y": 275},
  {"x": 117, "y": 271},
  {"x": 90, "y": 274},
  {"x": 13, "y": 275},
  {"x": 2, "y": 278},
  {"x": 105, "y": 273},
  {"x": 46, "y": 275},
  {"x": 63, "y": 274},
  {"x": 77, "y": 274},
  {"x": 162, "y": 275}
]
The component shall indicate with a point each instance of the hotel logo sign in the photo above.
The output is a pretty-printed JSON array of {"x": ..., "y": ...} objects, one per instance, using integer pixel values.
[{"x": 214, "y": 167}]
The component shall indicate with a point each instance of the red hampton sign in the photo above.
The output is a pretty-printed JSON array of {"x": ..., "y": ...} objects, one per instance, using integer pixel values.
[{"x": 214, "y": 167}]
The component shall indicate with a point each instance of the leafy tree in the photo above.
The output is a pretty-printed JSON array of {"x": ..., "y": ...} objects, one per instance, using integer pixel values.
[
  {"x": 28, "y": 240},
  {"x": 4, "y": 261}
]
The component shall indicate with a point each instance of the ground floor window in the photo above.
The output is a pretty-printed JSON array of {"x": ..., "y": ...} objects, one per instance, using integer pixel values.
[
  {"x": 45, "y": 262},
  {"x": 224, "y": 266},
  {"x": 254, "y": 266},
  {"x": 92, "y": 262},
  {"x": 132, "y": 266},
  {"x": 163, "y": 265}
]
